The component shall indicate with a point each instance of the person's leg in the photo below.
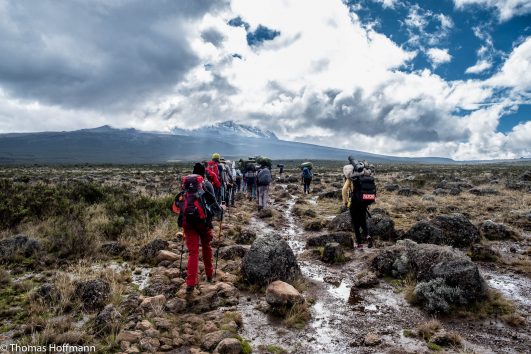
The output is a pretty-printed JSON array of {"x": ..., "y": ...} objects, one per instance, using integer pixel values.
[
  {"x": 206, "y": 238},
  {"x": 354, "y": 219},
  {"x": 266, "y": 196},
  {"x": 192, "y": 243},
  {"x": 364, "y": 227}
]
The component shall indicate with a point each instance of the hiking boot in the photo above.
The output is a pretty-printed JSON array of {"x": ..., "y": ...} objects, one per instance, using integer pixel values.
[
  {"x": 369, "y": 241},
  {"x": 210, "y": 280},
  {"x": 189, "y": 290}
]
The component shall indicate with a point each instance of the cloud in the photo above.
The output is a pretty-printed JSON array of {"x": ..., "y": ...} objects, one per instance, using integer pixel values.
[
  {"x": 438, "y": 56},
  {"x": 479, "y": 67},
  {"x": 506, "y": 9},
  {"x": 426, "y": 28},
  {"x": 516, "y": 71},
  {"x": 390, "y": 4},
  {"x": 101, "y": 55}
]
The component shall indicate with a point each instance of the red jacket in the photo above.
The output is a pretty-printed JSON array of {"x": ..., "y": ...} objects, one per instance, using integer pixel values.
[{"x": 213, "y": 178}]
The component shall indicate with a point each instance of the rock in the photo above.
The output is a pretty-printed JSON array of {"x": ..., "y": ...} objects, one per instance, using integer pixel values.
[
  {"x": 391, "y": 187},
  {"x": 424, "y": 232},
  {"x": 335, "y": 194},
  {"x": 164, "y": 255},
  {"x": 281, "y": 294},
  {"x": 47, "y": 292},
  {"x": 343, "y": 238},
  {"x": 332, "y": 279},
  {"x": 407, "y": 192},
  {"x": 18, "y": 245},
  {"x": 445, "y": 276},
  {"x": 161, "y": 284},
  {"x": 382, "y": 227},
  {"x": 519, "y": 185},
  {"x": 440, "y": 191},
  {"x": 150, "y": 303},
  {"x": 210, "y": 297},
  {"x": 354, "y": 297},
  {"x": 457, "y": 230},
  {"x": 130, "y": 303},
  {"x": 149, "y": 344},
  {"x": 107, "y": 321},
  {"x": 270, "y": 258},
  {"x": 129, "y": 336},
  {"x": 144, "y": 325},
  {"x": 526, "y": 176},
  {"x": 333, "y": 253},
  {"x": 229, "y": 346},
  {"x": 341, "y": 222},
  {"x": 366, "y": 280},
  {"x": 93, "y": 294},
  {"x": 445, "y": 338},
  {"x": 113, "y": 248},
  {"x": 162, "y": 323},
  {"x": 484, "y": 253},
  {"x": 371, "y": 340},
  {"x": 314, "y": 225},
  {"x": 211, "y": 340},
  {"x": 233, "y": 252},
  {"x": 150, "y": 250},
  {"x": 245, "y": 237},
  {"x": 493, "y": 231},
  {"x": 483, "y": 191},
  {"x": 176, "y": 305}
]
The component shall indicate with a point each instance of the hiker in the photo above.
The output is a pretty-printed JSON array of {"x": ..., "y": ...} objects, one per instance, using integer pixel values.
[
  {"x": 250, "y": 180},
  {"x": 239, "y": 178},
  {"x": 306, "y": 176},
  {"x": 228, "y": 179},
  {"x": 263, "y": 179},
  {"x": 211, "y": 177},
  {"x": 359, "y": 191},
  {"x": 215, "y": 167},
  {"x": 281, "y": 169},
  {"x": 196, "y": 207}
]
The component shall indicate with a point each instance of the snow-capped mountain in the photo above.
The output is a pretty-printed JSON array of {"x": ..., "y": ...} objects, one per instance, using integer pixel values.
[{"x": 227, "y": 129}]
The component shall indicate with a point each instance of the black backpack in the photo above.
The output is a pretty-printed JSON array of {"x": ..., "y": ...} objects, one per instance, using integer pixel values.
[{"x": 364, "y": 190}]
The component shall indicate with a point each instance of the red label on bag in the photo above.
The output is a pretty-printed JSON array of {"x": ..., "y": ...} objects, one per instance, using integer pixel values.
[{"x": 369, "y": 197}]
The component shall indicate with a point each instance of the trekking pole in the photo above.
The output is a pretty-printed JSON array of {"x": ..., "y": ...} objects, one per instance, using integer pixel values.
[
  {"x": 219, "y": 241},
  {"x": 182, "y": 251}
]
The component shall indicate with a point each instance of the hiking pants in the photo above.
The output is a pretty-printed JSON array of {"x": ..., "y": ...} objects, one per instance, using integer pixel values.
[
  {"x": 307, "y": 182},
  {"x": 263, "y": 195},
  {"x": 194, "y": 234},
  {"x": 358, "y": 218},
  {"x": 238, "y": 185},
  {"x": 251, "y": 187}
]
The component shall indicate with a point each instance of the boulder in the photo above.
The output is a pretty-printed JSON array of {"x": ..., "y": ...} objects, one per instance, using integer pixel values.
[
  {"x": 150, "y": 303},
  {"x": 113, "y": 248},
  {"x": 457, "y": 230},
  {"x": 281, "y": 294},
  {"x": 493, "y": 231},
  {"x": 93, "y": 294},
  {"x": 333, "y": 253},
  {"x": 245, "y": 237},
  {"x": 391, "y": 187},
  {"x": 19, "y": 245},
  {"x": 479, "y": 252},
  {"x": 335, "y": 194},
  {"x": 229, "y": 346},
  {"x": 161, "y": 284},
  {"x": 164, "y": 255},
  {"x": 210, "y": 297},
  {"x": 381, "y": 226},
  {"x": 314, "y": 225},
  {"x": 445, "y": 276},
  {"x": 270, "y": 258},
  {"x": 265, "y": 213},
  {"x": 149, "y": 251},
  {"x": 424, "y": 232},
  {"x": 128, "y": 336},
  {"x": 343, "y": 238},
  {"x": 341, "y": 222},
  {"x": 107, "y": 321}
]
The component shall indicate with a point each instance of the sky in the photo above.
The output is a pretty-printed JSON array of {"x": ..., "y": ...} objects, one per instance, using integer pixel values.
[{"x": 449, "y": 78}]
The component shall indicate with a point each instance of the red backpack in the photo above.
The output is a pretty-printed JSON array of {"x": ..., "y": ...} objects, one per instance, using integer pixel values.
[
  {"x": 190, "y": 204},
  {"x": 212, "y": 166}
]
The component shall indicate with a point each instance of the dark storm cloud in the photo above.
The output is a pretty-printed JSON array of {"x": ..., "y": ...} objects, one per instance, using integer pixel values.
[
  {"x": 95, "y": 54},
  {"x": 211, "y": 35}
]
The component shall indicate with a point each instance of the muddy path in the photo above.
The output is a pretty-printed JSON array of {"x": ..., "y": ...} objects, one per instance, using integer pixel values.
[{"x": 339, "y": 327}]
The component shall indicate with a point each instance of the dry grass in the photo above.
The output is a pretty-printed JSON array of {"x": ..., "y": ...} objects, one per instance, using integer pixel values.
[
  {"x": 297, "y": 316},
  {"x": 427, "y": 329},
  {"x": 514, "y": 320}
]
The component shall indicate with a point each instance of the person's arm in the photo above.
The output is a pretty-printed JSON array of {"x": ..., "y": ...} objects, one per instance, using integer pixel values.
[{"x": 344, "y": 192}]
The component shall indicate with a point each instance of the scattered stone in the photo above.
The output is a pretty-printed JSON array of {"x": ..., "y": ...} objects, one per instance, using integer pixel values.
[
  {"x": 366, "y": 280},
  {"x": 209, "y": 297},
  {"x": 335, "y": 194},
  {"x": 493, "y": 231},
  {"x": 381, "y": 226},
  {"x": 341, "y": 222},
  {"x": 229, "y": 346},
  {"x": 407, "y": 192},
  {"x": 144, "y": 325},
  {"x": 161, "y": 284},
  {"x": 484, "y": 253},
  {"x": 233, "y": 252},
  {"x": 176, "y": 305},
  {"x": 270, "y": 258},
  {"x": 93, "y": 294},
  {"x": 211, "y": 340},
  {"x": 150, "y": 303},
  {"x": 265, "y": 213},
  {"x": 149, "y": 344},
  {"x": 129, "y": 336},
  {"x": 245, "y": 237},
  {"x": 483, "y": 191},
  {"x": 281, "y": 294},
  {"x": 371, "y": 340},
  {"x": 391, "y": 187},
  {"x": 107, "y": 321},
  {"x": 354, "y": 297},
  {"x": 113, "y": 248},
  {"x": 149, "y": 251},
  {"x": 343, "y": 238},
  {"x": 164, "y": 255},
  {"x": 332, "y": 279},
  {"x": 333, "y": 253},
  {"x": 162, "y": 323}
]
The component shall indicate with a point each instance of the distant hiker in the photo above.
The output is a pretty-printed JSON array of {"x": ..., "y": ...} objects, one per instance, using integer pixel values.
[
  {"x": 281, "y": 169},
  {"x": 263, "y": 179},
  {"x": 210, "y": 177},
  {"x": 306, "y": 176},
  {"x": 196, "y": 207},
  {"x": 359, "y": 191},
  {"x": 215, "y": 167},
  {"x": 239, "y": 178},
  {"x": 250, "y": 180},
  {"x": 229, "y": 176}
]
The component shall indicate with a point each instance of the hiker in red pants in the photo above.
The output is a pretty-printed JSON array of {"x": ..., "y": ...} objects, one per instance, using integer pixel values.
[{"x": 196, "y": 207}]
